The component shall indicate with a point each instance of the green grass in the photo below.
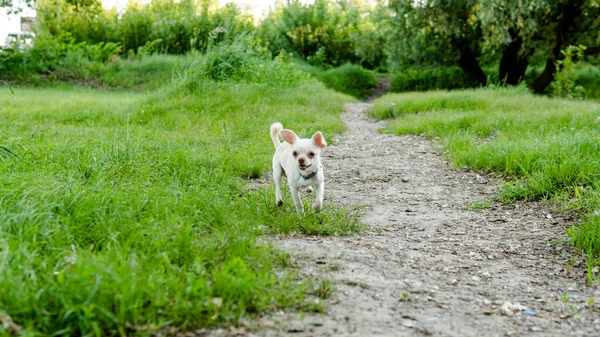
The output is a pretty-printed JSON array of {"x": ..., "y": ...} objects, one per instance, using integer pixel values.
[
  {"x": 150, "y": 72},
  {"x": 124, "y": 212},
  {"x": 479, "y": 205},
  {"x": 547, "y": 148}
]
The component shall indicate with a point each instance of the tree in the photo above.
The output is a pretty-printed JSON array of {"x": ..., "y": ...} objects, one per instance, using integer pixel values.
[
  {"x": 436, "y": 33},
  {"x": 15, "y": 6},
  {"x": 331, "y": 32},
  {"x": 513, "y": 33},
  {"x": 538, "y": 30}
]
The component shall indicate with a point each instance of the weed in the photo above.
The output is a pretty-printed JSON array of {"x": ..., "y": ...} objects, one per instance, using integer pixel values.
[
  {"x": 566, "y": 74},
  {"x": 324, "y": 290},
  {"x": 335, "y": 266},
  {"x": 479, "y": 205}
]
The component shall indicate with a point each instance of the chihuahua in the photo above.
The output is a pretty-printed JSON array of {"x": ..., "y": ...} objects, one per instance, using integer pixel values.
[{"x": 300, "y": 160}]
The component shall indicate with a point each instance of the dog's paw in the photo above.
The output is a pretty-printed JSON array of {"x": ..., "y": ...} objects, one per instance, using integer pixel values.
[
  {"x": 317, "y": 206},
  {"x": 309, "y": 189}
]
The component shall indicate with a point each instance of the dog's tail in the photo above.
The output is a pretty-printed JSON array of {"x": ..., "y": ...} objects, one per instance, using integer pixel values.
[{"x": 275, "y": 129}]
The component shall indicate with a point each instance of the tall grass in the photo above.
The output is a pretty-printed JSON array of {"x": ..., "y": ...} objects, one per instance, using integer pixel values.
[
  {"x": 551, "y": 147},
  {"x": 125, "y": 213}
]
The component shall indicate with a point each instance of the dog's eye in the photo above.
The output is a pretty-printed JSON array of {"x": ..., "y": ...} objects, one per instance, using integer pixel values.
[
  {"x": 295, "y": 153},
  {"x": 311, "y": 154}
]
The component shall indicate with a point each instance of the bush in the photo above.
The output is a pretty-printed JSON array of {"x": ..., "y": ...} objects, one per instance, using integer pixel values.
[
  {"x": 350, "y": 79},
  {"x": 588, "y": 77},
  {"x": 172, "y": 27},
  {"x": 56, "y": 57},
  {"x": 566, "y": 73},
  {"x": 326, "y": 32},
  {"x": 241, "y": 61},
  {"x": 431, "y": 79}
]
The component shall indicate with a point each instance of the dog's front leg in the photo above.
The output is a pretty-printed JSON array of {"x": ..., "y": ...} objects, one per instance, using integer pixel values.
[
  {"x": 319, "y": 188},
  {"x": 297, "y": 201}
]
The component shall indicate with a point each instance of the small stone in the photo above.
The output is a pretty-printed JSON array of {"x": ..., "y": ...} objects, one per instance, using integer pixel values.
[
  {"x": 509, "y": 308},
  {"x": 408, "y": 323}
]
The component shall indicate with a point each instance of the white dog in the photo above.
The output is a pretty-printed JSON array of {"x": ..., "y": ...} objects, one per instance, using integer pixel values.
[{"x": 300, "y": 160}]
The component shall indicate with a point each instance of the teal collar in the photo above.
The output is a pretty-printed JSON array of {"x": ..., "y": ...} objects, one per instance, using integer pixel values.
[{"x": 308, "y": 176}]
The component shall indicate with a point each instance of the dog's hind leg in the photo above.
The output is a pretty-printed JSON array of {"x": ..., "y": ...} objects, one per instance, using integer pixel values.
[{"x": 277, "y": 173}]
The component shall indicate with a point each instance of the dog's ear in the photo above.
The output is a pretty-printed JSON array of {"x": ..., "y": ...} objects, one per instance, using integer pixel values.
[
  {"x": 288, "y": 135},
  {"x": 319, "y": 140}
]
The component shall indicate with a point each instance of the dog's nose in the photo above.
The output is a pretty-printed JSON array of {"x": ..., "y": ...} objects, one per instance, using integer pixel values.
[{"x": 301, "y": 160}]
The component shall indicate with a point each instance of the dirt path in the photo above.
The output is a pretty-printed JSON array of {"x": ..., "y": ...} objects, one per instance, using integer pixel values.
[{"x": 427, "y": 266}]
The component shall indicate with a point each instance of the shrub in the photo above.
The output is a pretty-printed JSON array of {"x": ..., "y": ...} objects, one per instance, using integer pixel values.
[
  {"x": 588, "y": 77},
  {"x": 351, "y": 79},
  {"x": 566, "y": 74},
  {"x": 240, "y": 60},
  {"x": 56, "y": 57},
  {"x": 431, "y": 79},
  {"x": 327, "y": 32},
  {"x": 173, "y": 27}
]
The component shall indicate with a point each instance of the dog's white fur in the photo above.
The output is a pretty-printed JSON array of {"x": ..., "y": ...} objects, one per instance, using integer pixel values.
[{"x": 300, "y": 160}]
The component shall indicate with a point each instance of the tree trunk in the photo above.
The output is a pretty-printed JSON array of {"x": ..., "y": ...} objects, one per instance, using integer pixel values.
[
  {"x": 513, "y": 63},
  {"x": 570, "y": 11},
  {"x": 543, "y": 81},
  {"x": 469, "y": 64}
]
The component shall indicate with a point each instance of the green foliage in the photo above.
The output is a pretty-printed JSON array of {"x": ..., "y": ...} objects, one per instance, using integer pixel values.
[
  {"x": 166, "y": 26},
  {"x": 466, "y": 33},
  {"x": 240, "y": 61},
  {"x": 58, "y": 57},
  {"x": 125, "y": 213},
  {"x": 566, "y": 74},
  {"x": 588, "y": 77},
  {"x": 326, "y": 32},
  {"x": 350, "y": 79},
  {"x": 548, "y": 148},
  {"x": 431, "y": 79},
  {"x": 427, "y": 34},
  {"x": 586, "y": 236}
]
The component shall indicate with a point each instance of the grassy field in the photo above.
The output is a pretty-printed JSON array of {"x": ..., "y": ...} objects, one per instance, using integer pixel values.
[
  {"x": 124, "y": 212},
  {"x": 549, "y": 149}
]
